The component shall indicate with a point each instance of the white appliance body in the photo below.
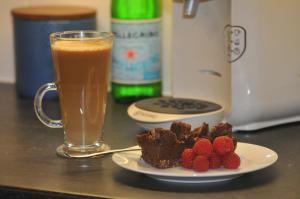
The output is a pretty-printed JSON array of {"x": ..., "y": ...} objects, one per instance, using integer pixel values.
[
  {"x": 260, "y": 85},
  {"x": 200, "y": 66}
]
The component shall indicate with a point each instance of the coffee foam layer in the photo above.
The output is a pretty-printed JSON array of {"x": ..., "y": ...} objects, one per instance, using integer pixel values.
[{"x": 81, "y": 45}]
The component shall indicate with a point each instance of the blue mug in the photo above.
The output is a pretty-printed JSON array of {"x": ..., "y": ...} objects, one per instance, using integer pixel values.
[{"x": 33, "y": 59}]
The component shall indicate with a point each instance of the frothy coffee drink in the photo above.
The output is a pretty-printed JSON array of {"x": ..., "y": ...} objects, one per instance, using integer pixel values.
[{"x": 82, "y": 78}]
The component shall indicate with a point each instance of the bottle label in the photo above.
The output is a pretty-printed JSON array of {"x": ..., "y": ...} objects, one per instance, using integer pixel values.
[{"x": 136, "y": 51}]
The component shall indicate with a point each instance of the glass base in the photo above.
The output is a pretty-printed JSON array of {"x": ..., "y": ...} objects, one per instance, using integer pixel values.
[{"x": 76, "y": 152}]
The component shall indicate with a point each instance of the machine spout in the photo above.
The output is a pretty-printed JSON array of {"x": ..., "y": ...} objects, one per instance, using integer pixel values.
[{"x": 190, "y": 8}]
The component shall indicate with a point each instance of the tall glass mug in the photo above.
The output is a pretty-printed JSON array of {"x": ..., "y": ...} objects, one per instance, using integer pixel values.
[{"x": 82, "y": 60}]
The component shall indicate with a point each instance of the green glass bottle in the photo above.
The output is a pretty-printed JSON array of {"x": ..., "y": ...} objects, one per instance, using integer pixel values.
[{"x": 136, "y": 62}]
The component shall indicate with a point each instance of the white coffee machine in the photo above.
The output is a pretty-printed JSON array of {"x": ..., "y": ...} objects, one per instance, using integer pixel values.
[{"x": 242, "y": 54}]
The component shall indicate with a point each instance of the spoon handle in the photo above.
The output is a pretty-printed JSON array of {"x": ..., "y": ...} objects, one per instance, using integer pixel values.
[{"x": 133, "y": 148}]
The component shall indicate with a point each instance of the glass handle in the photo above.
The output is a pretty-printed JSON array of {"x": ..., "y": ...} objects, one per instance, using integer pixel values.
[{"x": 38, "y": 99}]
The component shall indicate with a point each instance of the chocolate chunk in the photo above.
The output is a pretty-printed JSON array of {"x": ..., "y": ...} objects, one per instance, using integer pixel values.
[
  {"x": 201, "y": 131},
  {"x": 220, "y": 130},
  {"x": 181, "y": 129}
]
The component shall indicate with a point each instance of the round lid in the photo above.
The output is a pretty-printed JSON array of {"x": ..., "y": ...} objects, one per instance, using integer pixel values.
[
  {"x": 169, "y": 105},
  {"x": 53, "y": 12}
]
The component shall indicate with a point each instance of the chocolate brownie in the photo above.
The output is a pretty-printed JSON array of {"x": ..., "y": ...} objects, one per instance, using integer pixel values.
[{"x": 162, "y": 148}]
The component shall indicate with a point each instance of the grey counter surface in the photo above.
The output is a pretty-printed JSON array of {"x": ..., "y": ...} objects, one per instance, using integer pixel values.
[{"x": 29, "y": 167}]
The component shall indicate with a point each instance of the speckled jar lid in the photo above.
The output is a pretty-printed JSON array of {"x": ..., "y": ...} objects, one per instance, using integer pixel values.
[{"x": 54, "y": 12}]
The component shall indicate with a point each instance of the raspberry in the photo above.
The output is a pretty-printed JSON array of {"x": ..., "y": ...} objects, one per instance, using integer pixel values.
[
  {"x": 187, "y": 158},
  {"x": 223, "y": 145},
  {"x": 215, "y": 161},
  {"x": 231, "y": 161},
  {"x": 200, "y": 163},
  {"x": 203, "y": 147}
]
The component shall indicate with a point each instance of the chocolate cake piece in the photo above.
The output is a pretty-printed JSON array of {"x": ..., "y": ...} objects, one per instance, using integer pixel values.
[
  {"x": 222, "y": 129},
  {"x": 160, "y": 148},
  {"x": 184, "y": 133},
  {"x": 199, "y": 132},
  {"x": 181, "y": 129}
]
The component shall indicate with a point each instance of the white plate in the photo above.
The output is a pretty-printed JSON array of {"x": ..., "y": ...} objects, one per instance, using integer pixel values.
[{"x": 253, "y": 158}]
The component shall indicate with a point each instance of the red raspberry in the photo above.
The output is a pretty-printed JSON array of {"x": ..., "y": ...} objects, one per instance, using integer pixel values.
[
  {"x": 215, "y": 161},
  {"x": 231, "y": 161},
  {"x": 223, "y": 145},
  {"x": 203, "y": 147},
  {"x": 187, "y": 158},
  {"x": 201, "y": 163}
]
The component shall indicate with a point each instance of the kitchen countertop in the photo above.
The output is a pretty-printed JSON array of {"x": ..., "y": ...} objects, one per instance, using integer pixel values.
[{"x": 29, "y": 167}]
